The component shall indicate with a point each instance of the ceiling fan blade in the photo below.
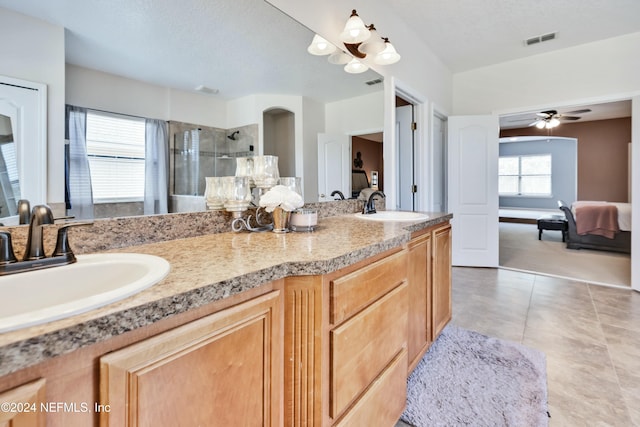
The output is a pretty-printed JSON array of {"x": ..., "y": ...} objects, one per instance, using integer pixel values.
[
  {"x": 586, "y": 110},
  {"x": 535, "y": 122},
  {"x": 569, "y": 118}
]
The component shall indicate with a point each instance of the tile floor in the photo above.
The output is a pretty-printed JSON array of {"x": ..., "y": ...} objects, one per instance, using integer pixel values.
[{"x": 589, "y": 333}]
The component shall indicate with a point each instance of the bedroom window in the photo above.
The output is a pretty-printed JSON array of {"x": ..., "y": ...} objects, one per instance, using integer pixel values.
[
  {"x": 525, "y": 175},
  {"x": 115, "y": 148}
]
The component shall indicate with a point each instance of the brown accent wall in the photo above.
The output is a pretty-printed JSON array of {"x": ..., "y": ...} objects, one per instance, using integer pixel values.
[
  {"x": 603, "y": 155},
  {"x": 371, "y": 157}
]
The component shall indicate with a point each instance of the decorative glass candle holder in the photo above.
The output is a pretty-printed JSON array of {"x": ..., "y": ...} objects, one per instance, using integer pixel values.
[
  {"x": 244, "y": 167},
  {"x": 214, "y": 192},
  {"x": 303, "y": 220},
  {"x": 293, "y": 183},
  {"x": 265, "y": 171},
  {"x": 237, "y": 193}
]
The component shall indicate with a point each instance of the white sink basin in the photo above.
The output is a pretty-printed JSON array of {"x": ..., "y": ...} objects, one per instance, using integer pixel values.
[
  {"x": 40, "y": 296},
  {"x": 393, "y": 216}
]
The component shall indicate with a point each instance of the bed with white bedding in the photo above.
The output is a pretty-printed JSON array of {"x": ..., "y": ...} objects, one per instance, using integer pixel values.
[{"x": 598, "y": 225}]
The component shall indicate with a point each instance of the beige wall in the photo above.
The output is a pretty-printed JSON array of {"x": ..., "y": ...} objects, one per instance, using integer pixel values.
[
  {"x": 33, "y": 50},
  {"x": 603, "y": 158}
]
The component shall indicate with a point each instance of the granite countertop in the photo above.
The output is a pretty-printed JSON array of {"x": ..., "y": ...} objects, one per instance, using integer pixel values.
[{"x": 208, "y": 268}]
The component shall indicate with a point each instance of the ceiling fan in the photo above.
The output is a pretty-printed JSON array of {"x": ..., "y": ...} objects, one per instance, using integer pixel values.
[{"x": 551, "y": 118}]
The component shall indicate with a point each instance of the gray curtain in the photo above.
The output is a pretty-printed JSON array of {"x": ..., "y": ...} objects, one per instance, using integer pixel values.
[
  {"x": 79, "y": 194},
  {"x": 156, "y": 181}
]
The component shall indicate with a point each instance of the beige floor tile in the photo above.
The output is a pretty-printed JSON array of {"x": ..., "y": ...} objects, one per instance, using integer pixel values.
[
  {"x": 624, "y": 346},
  {"x": 562, "y": 289},
  {"x": 617, "y": 307},
  {"x": 558, "y": 322},
  {"x": 590, "y": 335}
]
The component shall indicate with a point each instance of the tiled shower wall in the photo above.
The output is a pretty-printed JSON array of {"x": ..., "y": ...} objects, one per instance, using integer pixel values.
[{"x": 200, "y": 151}]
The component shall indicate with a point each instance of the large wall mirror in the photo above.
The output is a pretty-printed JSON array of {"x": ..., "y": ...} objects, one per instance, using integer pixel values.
[
  {"x": 241, "y": 48},
  {"x": 23, "y": 145}
]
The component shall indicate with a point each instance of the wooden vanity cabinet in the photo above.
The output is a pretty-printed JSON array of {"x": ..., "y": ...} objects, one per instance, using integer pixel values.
[
  {"x": 21, "y": 406},
  {"x": 441, "y": 264},
  {"x": 429, "y": 278},
  {"x": 420, "y": 279},
  {"x": 221, "y": 370},
  {"x": 319, "y": 350},
  {"x": 345, "y": 344}
]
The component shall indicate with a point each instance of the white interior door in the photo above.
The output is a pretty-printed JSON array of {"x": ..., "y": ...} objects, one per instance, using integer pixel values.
[
  {"x": 439, "y": 185},
  {"x": 404, "y": 139},
  {"x": 635, "y": 192},
  {"x": 473, "y": 190},
  {"x": 24, "y": 106},
  {"x": 334, "y": 160}
]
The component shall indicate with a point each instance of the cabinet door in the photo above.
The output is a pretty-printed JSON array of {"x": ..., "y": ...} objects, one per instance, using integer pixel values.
[
  {"x": 441, "y": 278},
  {"x": 220, "y": 370},
  {"x": 21, "y": 406},
  {"x": 419, "y": 277}
]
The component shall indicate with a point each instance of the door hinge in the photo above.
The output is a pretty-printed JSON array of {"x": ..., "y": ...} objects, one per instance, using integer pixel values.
[
  {"x": 414, "y": 188},
  {"x": 414, "y": 126}
]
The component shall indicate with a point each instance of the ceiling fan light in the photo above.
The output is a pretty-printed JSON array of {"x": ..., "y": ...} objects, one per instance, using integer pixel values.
[
  {"x": 554, "y": 122},
  {"x": 354, "y": 30},
  {"x": 339, "y": 58},
  {"x": 374, "y": 45},
  {"x": 388, "y": 56},
  {"x": 355, "y": 67},
  {"x": 320, "y": 46},
  {"x": 541, "y": 124}
]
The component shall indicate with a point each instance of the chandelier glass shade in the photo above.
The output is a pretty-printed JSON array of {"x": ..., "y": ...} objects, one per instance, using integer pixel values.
[
  {"x": 355, "y": 67},
  {"x": 354, "y": 30},
  {"x": 320, "y": 46},
  {"x": 363, "y": 47}
]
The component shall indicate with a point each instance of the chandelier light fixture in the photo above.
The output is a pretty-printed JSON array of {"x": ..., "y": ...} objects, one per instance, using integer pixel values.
[{"x": 362, "y": 43}]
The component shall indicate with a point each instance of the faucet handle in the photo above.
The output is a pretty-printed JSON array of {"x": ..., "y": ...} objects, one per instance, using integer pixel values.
[
  {"x": 24, "y": 211},
  {"x": 6, "y": 249},
  {"x": 62, "y": 243}
]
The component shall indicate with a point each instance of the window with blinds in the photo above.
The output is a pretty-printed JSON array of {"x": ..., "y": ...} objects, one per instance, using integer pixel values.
[
  {"x": 115, "y": 148},
  {"x": 525, "y": 175}
]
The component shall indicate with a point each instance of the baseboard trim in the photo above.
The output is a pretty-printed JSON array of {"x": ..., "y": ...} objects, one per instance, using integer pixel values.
[{"x": 518, "y": 220}]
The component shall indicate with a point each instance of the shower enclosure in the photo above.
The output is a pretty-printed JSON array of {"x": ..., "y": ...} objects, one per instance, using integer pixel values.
[{"x": 200, "y": 151}]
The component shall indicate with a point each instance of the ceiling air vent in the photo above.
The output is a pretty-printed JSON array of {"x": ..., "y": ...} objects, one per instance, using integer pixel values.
[
  {"x": 540, "y": 39},
  {"x": 374, "y": 82}
]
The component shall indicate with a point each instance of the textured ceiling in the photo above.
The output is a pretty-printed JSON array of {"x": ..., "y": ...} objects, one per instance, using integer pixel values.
[
  {"x": 242, "y": 47},
  {"x": 468, "y": 34},
  {"x": 238, "y": 47}
]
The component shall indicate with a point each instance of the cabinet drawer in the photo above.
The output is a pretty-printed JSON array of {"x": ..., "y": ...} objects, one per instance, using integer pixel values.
[
  {"x": 354, "y": 291},
  {"x": 384, "y": 402},
  {"x": 364, "y": 345}
]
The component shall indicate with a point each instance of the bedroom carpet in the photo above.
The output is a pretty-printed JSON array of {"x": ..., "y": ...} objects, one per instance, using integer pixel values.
[
  {"x": 467, "y": 378},
  {"x": 520, "y": 249}
]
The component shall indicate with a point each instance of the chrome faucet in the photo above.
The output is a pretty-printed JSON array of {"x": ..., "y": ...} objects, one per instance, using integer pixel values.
[
  {"x": 370, "y": 206},
  {"x": 40, "y": 215},
  {"x": 339, "y": 193}
]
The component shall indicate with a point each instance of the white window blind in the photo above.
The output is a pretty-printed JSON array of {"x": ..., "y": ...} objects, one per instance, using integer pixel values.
[
  {"x": 525, "y": 175},
  {"x": 11, "y": 163},
  {"x": 115, "y": 147}
]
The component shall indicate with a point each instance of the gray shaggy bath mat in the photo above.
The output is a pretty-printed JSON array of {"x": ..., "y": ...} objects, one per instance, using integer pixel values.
[{"x": 470, "y": 379}]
